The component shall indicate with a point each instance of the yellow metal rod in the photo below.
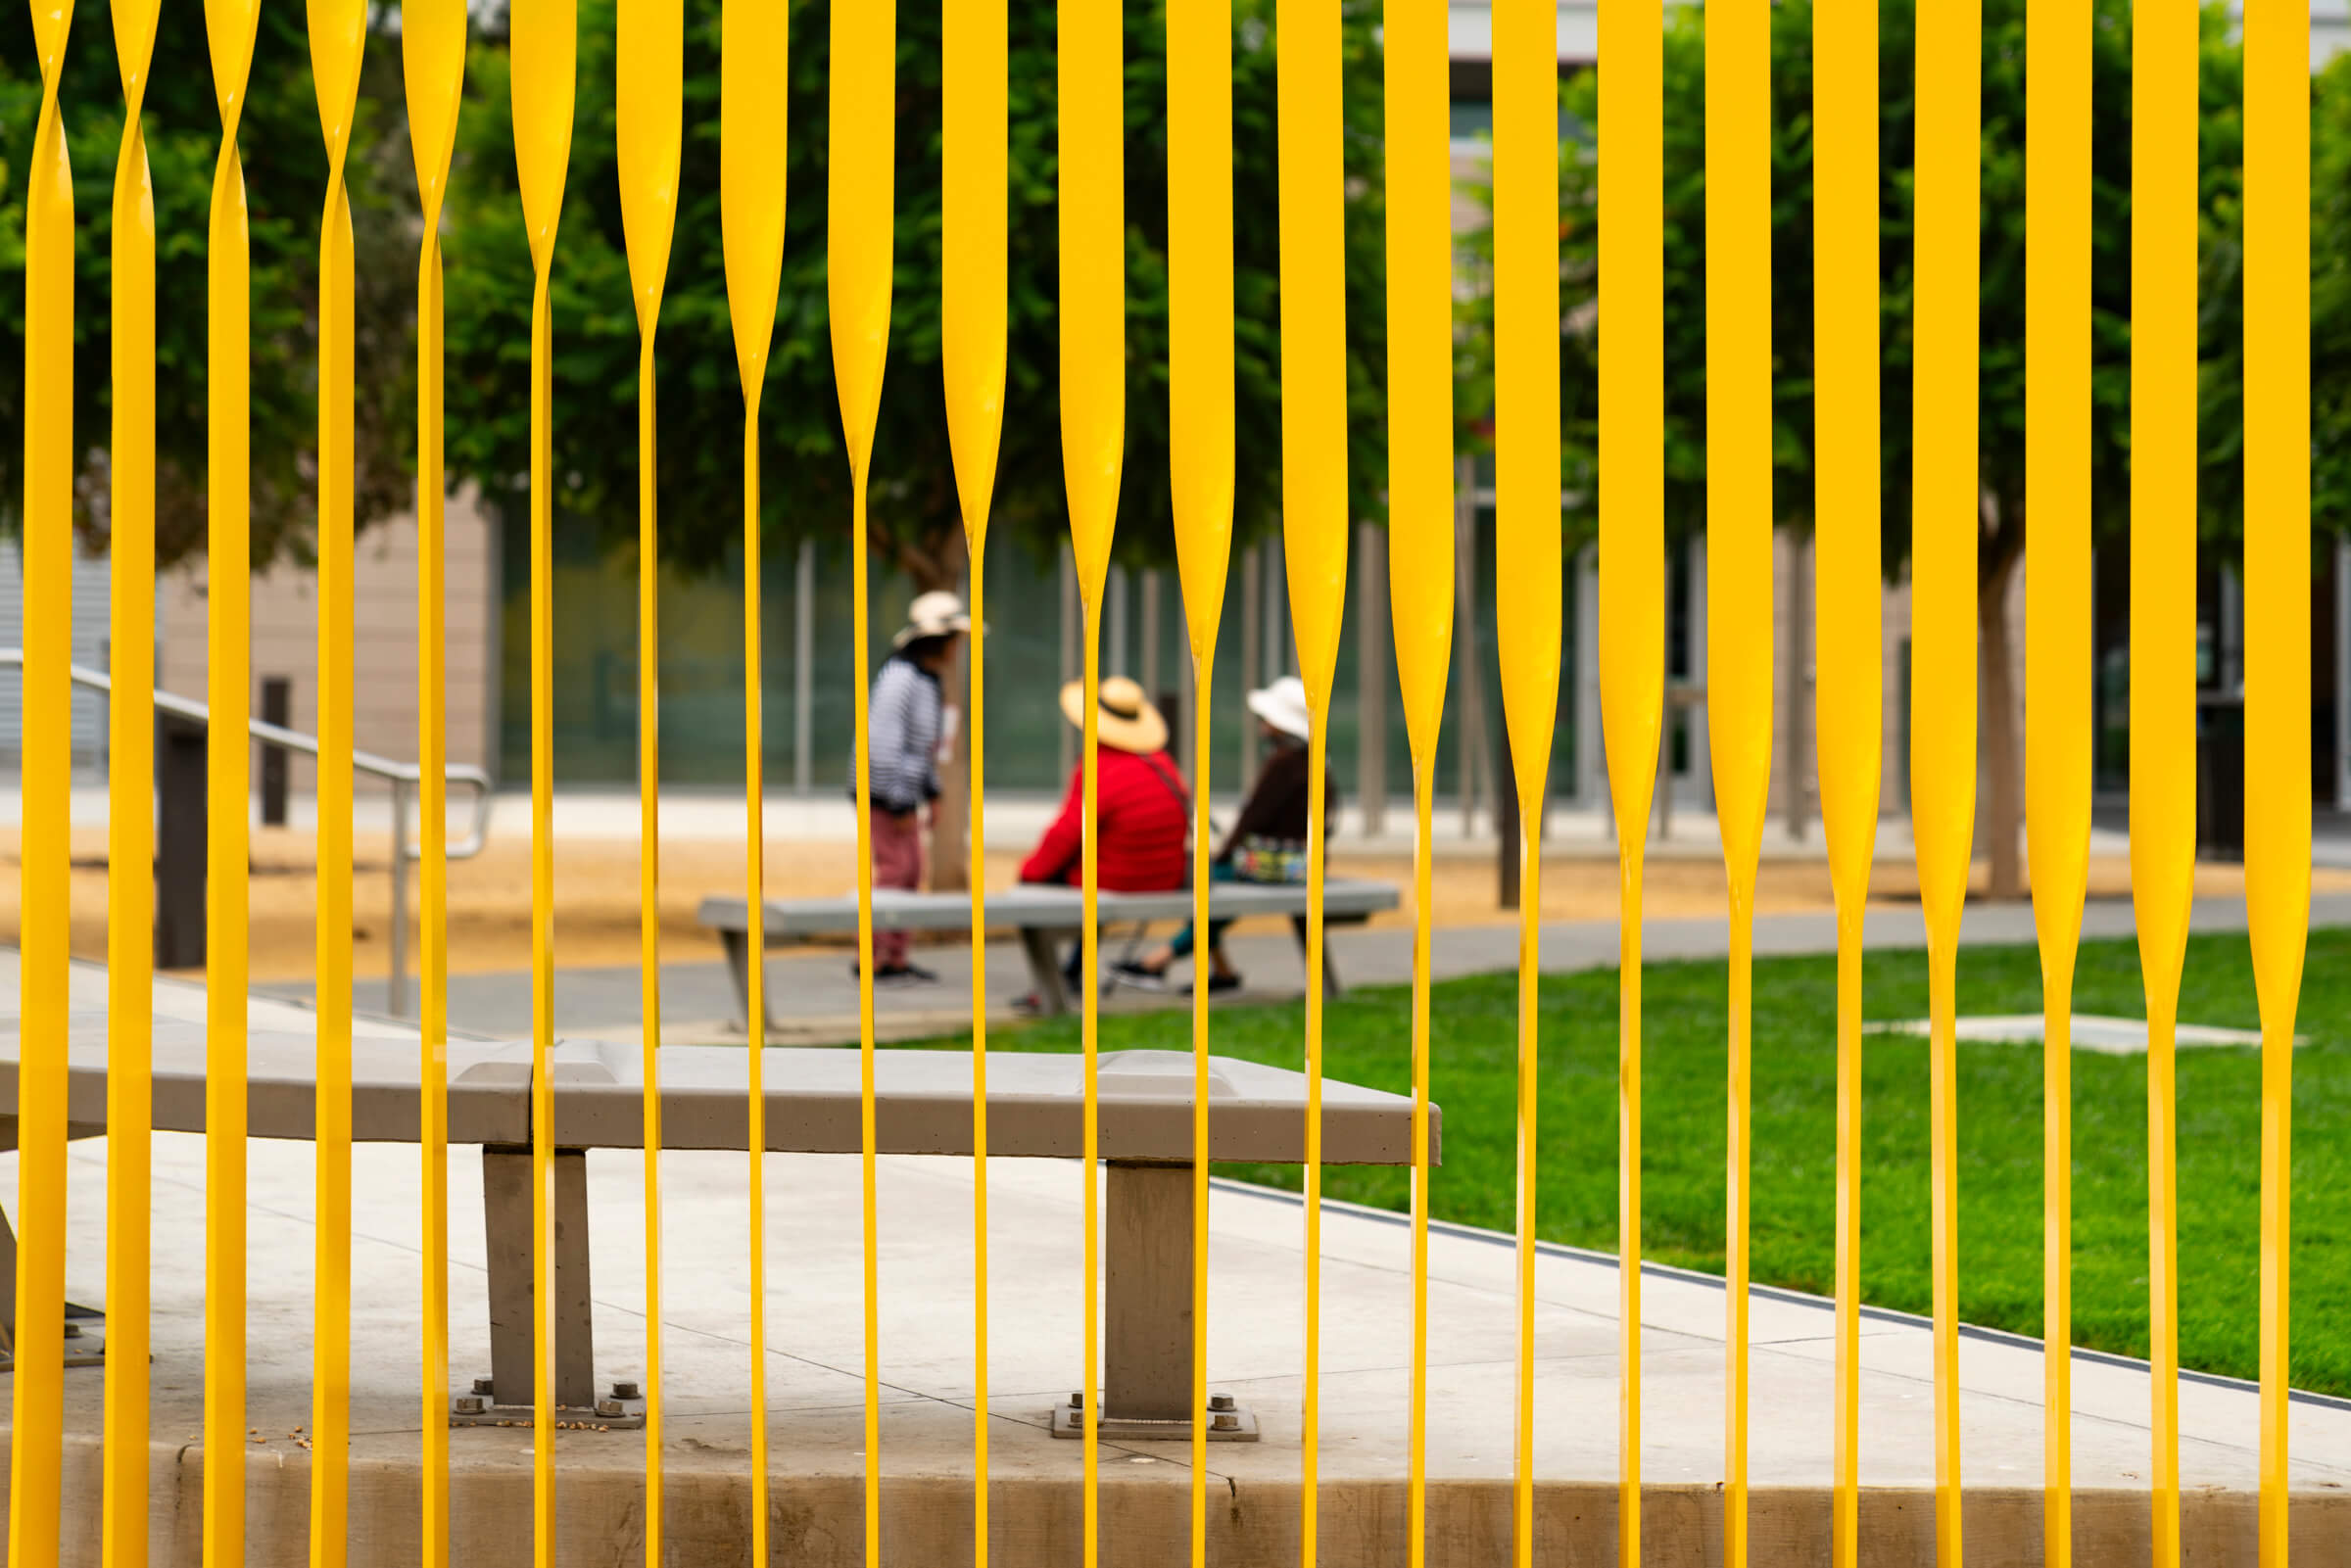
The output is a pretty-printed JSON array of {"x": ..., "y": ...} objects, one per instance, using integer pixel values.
[
  {"x": 1739, "y": 612},
  {"x": 544, "y": 50},
  {"x": 35, "y": 1449},
  {"x": 1420, "y": 544},
  {"x": 1632, "y": 609},
  {"x": 2163, "y": 636},
  {"x": 2278, "y": 654},
  {"x": 1847, "y": 608},
  {"x": 1315, "y": 529},
  {"x": 338, "y": 34},
  {"x": 1528, "y": 558},
  {"x": 433, "y": 59},
  {"x": 1947, "y": 487},
  {"x": 755, "y": 58},
  {"x": 1200, "y": 397},
  {"x": 130, "y": 816},
  {"x": 229, "y": 30},
  {"x": 648, "y": 110},
  {"x": 1089, "y": 1385},
  {"x": 2058, "y": 657}
]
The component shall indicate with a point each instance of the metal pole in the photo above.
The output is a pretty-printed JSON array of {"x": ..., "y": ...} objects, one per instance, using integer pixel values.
[
  {"x": 1371, "y": 675},
  {"x": 1068, "y": 655},
  {"x": 1252, "y": 633},
  {"x": 1467, "y": 675},
  {"x": 803, "y": 667},
  {"x": 397, "y": 987},
  {"x": 1115, "y": 656},
  {"x": 1147, "y": 666},
  {"x": 1799, "y": 692}
]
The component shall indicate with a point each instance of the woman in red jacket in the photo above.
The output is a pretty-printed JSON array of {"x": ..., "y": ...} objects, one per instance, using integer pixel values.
[{"x": 1144, "y": 809}]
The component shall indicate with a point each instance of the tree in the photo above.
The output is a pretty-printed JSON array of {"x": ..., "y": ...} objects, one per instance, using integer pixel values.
[
  {"x": 285, "y": 180},
  {"x": 916, "y": 521},
  {"x": 2001, "y": 360}
]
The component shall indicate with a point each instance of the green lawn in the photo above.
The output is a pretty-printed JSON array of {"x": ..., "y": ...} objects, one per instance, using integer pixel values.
[{"x": 1367, "y": 1041}]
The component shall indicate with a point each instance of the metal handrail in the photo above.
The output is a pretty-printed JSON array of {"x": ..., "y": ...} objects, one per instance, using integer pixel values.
[{"x": 404, "y": 777}]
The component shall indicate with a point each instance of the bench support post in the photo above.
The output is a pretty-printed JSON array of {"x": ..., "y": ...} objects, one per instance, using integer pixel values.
[
  {"x": 1044, "y": 970},
  {"x": 1147, "y": 1349},
  {"x": 1332, "y": 986},
  {"x": 507, "y": 1215}
]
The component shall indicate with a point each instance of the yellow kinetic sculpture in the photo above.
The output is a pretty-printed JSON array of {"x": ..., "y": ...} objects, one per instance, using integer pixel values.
[
  {"x": 228, "y": 30},
  {"x": 130, "y": 817},
  {"x": 2057, "y": 655},
  {"x": 432, "y": 47},
  {"x": 975, "y": 188},
  {"x": 1315, "y": 524},
  {"x": 1850, "y": 697},
  {"x": 546, "y": 57},
  {"x": 754, "y": 62},
  {"x": 1738, "y": 608},
  {"x": 1420, "y": 582},
  {"x": 1094, "y": 428},
  {"x": 1944, "y": 529},
  {"x": 338, "y": 35},
  {"x": 1200, "y": 441},
  {"x": 1528, "y": 555},
  {"x": 1632, "y": 611},
  {"x": 37, "y": 1413},
  {"x": 858, "y": 195},
  {"x": 2163, "y": 640},
  {"x": 2277, "y": 649},
  {"x": 649, "y": 118}
]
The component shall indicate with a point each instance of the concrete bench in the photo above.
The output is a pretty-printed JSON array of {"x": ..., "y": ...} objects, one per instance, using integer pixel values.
[
  {"x": 923, "y": 1106},
  {"x": 1045, "y": 915}
]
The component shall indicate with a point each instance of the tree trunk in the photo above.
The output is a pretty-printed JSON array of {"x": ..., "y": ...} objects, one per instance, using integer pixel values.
[{"x": 2003, "y": 774}]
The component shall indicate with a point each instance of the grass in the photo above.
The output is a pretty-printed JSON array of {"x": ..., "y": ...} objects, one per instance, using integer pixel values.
[{"x": 1367, "y": 1041}]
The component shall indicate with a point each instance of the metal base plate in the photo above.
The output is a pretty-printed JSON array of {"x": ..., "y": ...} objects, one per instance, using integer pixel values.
[
  {"x": 609, "y": 1415},
  {"x": 1236, "y": 1423},
  {"x": 85, "y": 1340}
]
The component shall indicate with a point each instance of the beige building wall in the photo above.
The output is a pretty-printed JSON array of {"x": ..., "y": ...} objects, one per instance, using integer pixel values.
[{"x": 384, "y": 617}]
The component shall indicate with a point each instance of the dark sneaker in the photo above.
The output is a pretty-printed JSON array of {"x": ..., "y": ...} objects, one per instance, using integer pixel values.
[
  {"x": 903, "y": 975},
  {"x": 1222, "y": 982},
  {"x": 1138, "y": 975}
]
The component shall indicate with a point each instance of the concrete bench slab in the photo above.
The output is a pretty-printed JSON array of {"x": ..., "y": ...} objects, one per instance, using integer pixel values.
[{"x": 1042, "y": 914}]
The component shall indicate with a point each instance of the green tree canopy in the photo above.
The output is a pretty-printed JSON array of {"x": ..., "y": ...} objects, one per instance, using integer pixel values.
[
  {"x": 285, "y": 183},
  {"x": 915, "y": 515}
]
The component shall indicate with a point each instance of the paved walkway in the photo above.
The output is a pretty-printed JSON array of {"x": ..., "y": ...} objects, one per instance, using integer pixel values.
[{"x": 814, "y": 993}]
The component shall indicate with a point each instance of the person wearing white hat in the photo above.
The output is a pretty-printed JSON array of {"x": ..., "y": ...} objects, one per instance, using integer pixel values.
[
  {"x": 1266, "y": 844},
  {"x": 905, "y": 711}
]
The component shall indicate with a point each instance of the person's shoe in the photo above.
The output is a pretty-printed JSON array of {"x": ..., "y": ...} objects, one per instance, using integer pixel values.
[
  {"x": 903, "y": 975},
  {"x": 1031, "y": 1006},
  {"x": 1140, "y": 976},
  {"x": 1218, "y": 983}
]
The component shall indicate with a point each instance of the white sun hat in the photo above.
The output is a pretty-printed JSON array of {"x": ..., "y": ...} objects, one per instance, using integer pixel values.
[
  {"x": 937, "y": 614},
  {"x": 1283, "y": 706}
]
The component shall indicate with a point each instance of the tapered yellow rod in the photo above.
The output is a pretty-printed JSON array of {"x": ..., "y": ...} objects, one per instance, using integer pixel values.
[
  {"x": 545, "y": 48},
  {"x": 2057, "y": 656},
  {"x": 1315, "y": 526},
  {"x": 37, "y": 1417},
  {"x": 1739, "y": 609},
  {"x": 1632, "y": 608},
  {"x": 1421, "y": 529},
  {"x": 130, "y": 816},
  {"x": 1200, "y": 399},
  {"x": 2277, "y": 651},
  {"x": 1529, "y": 559},
  {"x": 1847, "y": 606},
  {"x": 754, "y": 59},
  {"x": 859, "y": 194},
  {"x": 338, "y": 34},
  {"x": 649, "y": 118},
  {"x": 432, "y": 46},
  {"x": 1944, "y": 528},
  {"x": 975, "y": 187},
  {"x": 1093, "y": 425},
  {"x": 2163, "y": 637},
  {"x": 228, "y": 30}
]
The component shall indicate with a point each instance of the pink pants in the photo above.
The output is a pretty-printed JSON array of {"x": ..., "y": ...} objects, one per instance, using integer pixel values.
[{"x": 897, "y": 863}]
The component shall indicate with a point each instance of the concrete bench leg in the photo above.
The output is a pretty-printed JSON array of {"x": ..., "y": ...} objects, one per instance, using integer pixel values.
[
  {"x": 1147, "y": 1359},
  {"x": 1044, "y": 970},
  {"x": 738, "y": 967},
  {"x": 506, "y": 1212},
  {"x": 1332, "y": 986}
]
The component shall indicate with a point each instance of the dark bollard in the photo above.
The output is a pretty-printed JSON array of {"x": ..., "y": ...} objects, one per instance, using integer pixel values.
[
  {"x": 180, "y": 842},
  {"x": 277, "y": 707}
]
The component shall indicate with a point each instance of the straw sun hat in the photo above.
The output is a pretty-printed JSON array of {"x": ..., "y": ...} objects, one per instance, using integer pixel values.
[
  {"x": 937, "y": 614},
  {"x": 1283, "y": 706},
  {"x": 1126, "y": 718}
]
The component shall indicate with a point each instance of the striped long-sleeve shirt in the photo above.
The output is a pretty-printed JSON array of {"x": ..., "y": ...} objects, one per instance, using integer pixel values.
[{"x": 905, "y": 710}]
